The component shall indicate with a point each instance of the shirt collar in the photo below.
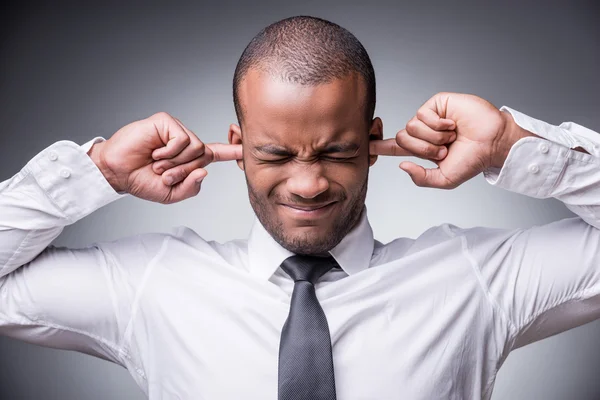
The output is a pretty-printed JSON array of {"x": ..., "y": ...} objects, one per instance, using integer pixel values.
[{"x": 353, "y": 253}]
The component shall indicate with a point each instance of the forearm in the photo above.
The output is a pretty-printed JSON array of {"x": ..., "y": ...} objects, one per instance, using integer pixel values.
[
  {"x": 56, "y": 188},
  {"x": 512, "y": 133}
]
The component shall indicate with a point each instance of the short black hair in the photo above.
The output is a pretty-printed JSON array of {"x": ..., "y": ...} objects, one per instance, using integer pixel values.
[{"x": 309, "y": 51}]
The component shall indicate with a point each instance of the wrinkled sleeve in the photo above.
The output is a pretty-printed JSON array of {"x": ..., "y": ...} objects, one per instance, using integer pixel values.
[
  {"x": 76, "y": 299},
  {"x": 545, "y": 279}
]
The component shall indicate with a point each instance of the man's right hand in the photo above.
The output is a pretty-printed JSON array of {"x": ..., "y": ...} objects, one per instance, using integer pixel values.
[{"x": 158, "y": 159}]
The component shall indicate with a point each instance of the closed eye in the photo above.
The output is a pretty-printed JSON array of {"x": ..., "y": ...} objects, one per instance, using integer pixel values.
[
  {"x": 330, "y": 158},
  {"x": 274, "y": 161},
  {"x": 282, "y": 160}
]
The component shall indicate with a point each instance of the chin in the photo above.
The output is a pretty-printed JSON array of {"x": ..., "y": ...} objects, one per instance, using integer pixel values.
[
  {"x": 308, "y": 240},
  {"x": 307, "y": 233}
]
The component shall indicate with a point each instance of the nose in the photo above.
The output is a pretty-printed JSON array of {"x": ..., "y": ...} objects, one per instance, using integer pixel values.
[{"x": 307, "y": 180}]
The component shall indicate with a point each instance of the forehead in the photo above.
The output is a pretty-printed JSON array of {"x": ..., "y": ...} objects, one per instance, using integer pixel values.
[{"x": 273, "y": 106}]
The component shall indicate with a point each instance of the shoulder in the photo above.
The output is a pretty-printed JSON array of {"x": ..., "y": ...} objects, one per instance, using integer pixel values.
[
  {"x": 446, "y": 234},
  {"x": 146, "y": 246},
  {"x": 184, "y": 239}
]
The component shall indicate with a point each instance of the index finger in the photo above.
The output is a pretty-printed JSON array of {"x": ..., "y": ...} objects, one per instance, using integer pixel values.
[
  {"x": 387, "y": 147},
  {"x": 225, "y": 152}
]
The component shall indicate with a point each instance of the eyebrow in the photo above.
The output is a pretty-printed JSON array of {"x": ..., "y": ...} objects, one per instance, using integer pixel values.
[{"x": 275, "y": 150}]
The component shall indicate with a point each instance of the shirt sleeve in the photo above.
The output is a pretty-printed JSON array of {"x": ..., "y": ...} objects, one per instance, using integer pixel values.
[
  {"x": 548, "y": 167},
  {"x": 75, "y": 299},
  {"x": 546, "y": 279}
]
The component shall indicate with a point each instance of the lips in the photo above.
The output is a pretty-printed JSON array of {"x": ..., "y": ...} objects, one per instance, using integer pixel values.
[
  {"x": 311, "y": 207},
  {"x": 305, "y": 212}
]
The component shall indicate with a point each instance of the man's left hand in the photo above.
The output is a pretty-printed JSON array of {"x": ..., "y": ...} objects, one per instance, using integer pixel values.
[{"x": 462, "y": 133}]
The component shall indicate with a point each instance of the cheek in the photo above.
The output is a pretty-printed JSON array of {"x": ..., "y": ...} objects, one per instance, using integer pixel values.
[
  {"x": 347, "y": 176},
  {"x": 264, "y": 178}
]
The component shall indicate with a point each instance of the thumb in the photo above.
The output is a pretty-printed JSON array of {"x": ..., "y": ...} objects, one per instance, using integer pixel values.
[
  {"x": 426, "y": 177},
  {"x": 189, "y": 187}
]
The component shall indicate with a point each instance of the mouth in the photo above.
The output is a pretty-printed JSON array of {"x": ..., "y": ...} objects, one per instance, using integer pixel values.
[{"x": 308, "y": 211}]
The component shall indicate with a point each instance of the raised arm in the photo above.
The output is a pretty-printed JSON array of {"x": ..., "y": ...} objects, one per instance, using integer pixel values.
[
  {"x": 81, "y": 299},
  {"x": 545, "y": 279}
]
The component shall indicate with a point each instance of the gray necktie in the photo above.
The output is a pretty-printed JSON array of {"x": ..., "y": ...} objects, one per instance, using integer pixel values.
[{"x": 305, "y": 359}]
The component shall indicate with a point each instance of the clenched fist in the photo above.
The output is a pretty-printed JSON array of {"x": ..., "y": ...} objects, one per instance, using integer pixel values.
[
  {"x": 462, "y": 133},
  {"x": 158, "y": 159}
]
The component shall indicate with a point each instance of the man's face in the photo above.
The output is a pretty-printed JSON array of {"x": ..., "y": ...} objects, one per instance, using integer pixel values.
[{"x": 306, "y": 157}]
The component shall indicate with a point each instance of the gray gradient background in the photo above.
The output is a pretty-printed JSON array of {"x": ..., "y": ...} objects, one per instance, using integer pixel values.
[{"x": 75, "y": 72}]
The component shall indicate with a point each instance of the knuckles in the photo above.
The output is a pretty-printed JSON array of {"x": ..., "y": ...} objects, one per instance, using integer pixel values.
[
  {"x": 185, "y": 139},
  {"x": 421, "y": 114},
  {"x": 198, "y": 147},
  {"x": 161, "y": 115},
  {"x": 401, "y": 137},
  {"x": 412, "y": 125}
]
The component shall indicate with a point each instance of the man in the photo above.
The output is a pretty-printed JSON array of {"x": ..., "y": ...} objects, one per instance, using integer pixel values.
[{"x": 429, "y": 318}]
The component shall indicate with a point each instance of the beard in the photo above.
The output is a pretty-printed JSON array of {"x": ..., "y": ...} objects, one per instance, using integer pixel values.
[{"x": 306, "y": 243}]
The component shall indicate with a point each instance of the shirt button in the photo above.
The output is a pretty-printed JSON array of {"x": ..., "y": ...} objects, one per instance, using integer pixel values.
[
  {"x": 65, "y": 173},
  {"x": 534, "y": 169},
  {"x": 53, "y": 156},
  {"x": 544, "y": 148}
]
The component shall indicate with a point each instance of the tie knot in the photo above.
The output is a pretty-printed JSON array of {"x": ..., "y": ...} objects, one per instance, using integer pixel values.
[{"x": 307, "y": 268}]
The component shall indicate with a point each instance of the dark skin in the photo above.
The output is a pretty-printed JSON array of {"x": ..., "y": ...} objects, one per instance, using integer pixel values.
[
  {"x": 306, "y": 153},
  {"x": 306, "y": 157}
]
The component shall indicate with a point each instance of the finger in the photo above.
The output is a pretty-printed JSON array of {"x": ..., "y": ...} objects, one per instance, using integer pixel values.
[
  {"x": 426, "y": 177},
  {"x": 176, "y": 138},
  {"x": 429, "y": 115},
  {"x": 418, "y": 129},
  {"x": 435, "y": 112},
  {"x": 191, "y": 134},
  {"x": 191, "y": 153},
  {"x": 189, "y": 187},
  {"x": 196, "y": 148},
  {"x": 178, "y": 173},
  {"x": 420, "y": 148},
  {"x": 387, "y": 147},
  {"x": 225, "y": 152}
]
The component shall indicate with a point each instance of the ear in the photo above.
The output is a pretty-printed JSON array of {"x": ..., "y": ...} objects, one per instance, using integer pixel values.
[
  {"x": 235, "y": 137},
  {"x": 375, "y": 133}
]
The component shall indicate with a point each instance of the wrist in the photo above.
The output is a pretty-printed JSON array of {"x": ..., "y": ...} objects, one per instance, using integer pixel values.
[
  {"x": 97, "y": 156},
  {"x": 510, "y": 133}
]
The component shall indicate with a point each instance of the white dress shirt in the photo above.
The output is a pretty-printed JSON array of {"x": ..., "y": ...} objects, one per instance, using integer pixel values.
[{"x": 426, "y": 318}]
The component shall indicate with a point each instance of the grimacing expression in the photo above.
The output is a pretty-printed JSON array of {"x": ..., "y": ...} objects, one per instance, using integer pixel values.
[{"x": 306, "y": 157}]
